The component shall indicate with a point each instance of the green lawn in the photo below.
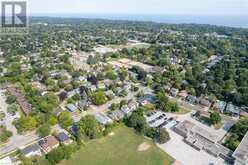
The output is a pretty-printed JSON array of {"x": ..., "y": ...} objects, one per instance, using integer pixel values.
[{"x": 119, "y": 149}]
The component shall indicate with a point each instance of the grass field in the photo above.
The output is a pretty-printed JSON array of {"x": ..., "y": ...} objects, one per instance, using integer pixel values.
[{"x": 121, "y": 148}]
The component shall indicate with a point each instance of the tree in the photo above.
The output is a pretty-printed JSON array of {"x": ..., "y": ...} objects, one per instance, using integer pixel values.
[
  {"x": 215, "y": 118},
  {"x": 99, "y": 98},
  {"x": 114, "y": 106},
  {"x": 5, "y": 134},
  {"x": 162, "y": 135},
  {"x": 44, "y": 130},
  {"x": 238, "y": 131},
  {"x": 88, "y": 127},
  {"x": 137, "y": 121},
  {"x": 163, "y": 100},
  {"x": 60, "y": 153},
  {"x": 25, "y": 124},
  {"x": 10, "y": 99},
  {"x": 110, "y": 74},
  {"x": 12, "y": 108},
  {"x": 123, "y": 74},
  {"x": 65, "y": 119},
  {"x": 173, "y": 107}
]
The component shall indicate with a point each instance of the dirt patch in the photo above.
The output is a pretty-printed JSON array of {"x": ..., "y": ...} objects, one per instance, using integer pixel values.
[
  {"x": 111, "y": 134},
  {"x": 143, "y": 146}
]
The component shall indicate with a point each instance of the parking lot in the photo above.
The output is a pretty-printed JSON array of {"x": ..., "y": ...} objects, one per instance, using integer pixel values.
[
  {"x": 176, "y": 147},
  {"x": 158, "y": 119}
]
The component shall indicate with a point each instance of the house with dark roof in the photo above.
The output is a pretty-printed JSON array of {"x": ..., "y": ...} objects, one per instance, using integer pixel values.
[
  {"x": 32, "y": 150},
  {"x": 64, "y": 138},
  {"x": 192, "y": 99},
  {"x": 147, "y": 99}
]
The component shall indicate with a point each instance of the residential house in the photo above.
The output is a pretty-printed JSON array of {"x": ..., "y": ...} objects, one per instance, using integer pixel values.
[
  {"x": 82, "y": 78},
  {"x": 233, "y": 110},
  {"x": 221, "y": 106},
  {"x": 73, "y": 92},
  {"x": 93, "y": 88},
  {"x": 205, "y": 103},
  {"x": 125, "y": 109},
  {"x": 48, "y": 143},
  {"x": 32, "y": 150},
  {"x": 192, "y": 99},
  {"x": 74, "y": 129},
  {"x": 183, "y": 94},
  {"x": 62, "y": 96},
  {"x": 116, "y": 115},
  {"x": 110, "y": 94},
  {"x": 103, "y": 119},
  {"x": 107, "y": 82},
  {"x": 132, "y": 105},
  {"x": 64, "y": 138},
  {"x": 71, "y": 108},
  {"x": 147, "y": 99},
  {"x": 174, "y": 92}
]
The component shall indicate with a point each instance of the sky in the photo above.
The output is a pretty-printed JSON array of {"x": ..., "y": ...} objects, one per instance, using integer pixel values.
[{"x": 141, "y": 7}]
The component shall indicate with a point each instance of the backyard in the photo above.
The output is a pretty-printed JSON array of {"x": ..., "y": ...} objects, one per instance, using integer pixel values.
[{"x": 122, "y": 147}]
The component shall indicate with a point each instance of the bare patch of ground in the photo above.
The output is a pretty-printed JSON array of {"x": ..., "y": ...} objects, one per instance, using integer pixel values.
[
  {"x": 111, "y": 134},
  {"x": 143, "y": 146}
]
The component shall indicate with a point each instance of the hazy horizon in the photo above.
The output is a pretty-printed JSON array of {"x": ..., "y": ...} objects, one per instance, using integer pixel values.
[{"x": 231, "y": 21}]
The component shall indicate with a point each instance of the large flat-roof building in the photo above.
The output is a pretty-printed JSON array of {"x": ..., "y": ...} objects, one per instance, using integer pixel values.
[
  {"x": 241, "y": 152},
  {"x": 201, "y": 139}
]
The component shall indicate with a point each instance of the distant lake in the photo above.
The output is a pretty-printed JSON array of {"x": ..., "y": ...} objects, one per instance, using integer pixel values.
[{"x": 232, "y": 21}]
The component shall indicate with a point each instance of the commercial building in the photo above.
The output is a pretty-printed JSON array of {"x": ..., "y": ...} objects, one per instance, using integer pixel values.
[{"x": 201, "y": 139}]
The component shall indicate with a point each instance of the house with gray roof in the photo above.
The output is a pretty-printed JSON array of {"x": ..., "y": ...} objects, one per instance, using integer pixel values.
[
  {"x": 64, "y": 138},
  {"x": 32, "y": 150},
  {"x": 116, "y": 115},
  {"x": 174, "y": 92},
  {"x": 233, "y": 110},
  {"x": 103, "y": 119},
  {"x": 71, "y": 108}
]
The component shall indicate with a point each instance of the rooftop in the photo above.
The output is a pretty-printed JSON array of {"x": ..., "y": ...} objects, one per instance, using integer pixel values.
[
  {"x": 31, "y": 148},
  {"x": 62, "y": 137}
]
